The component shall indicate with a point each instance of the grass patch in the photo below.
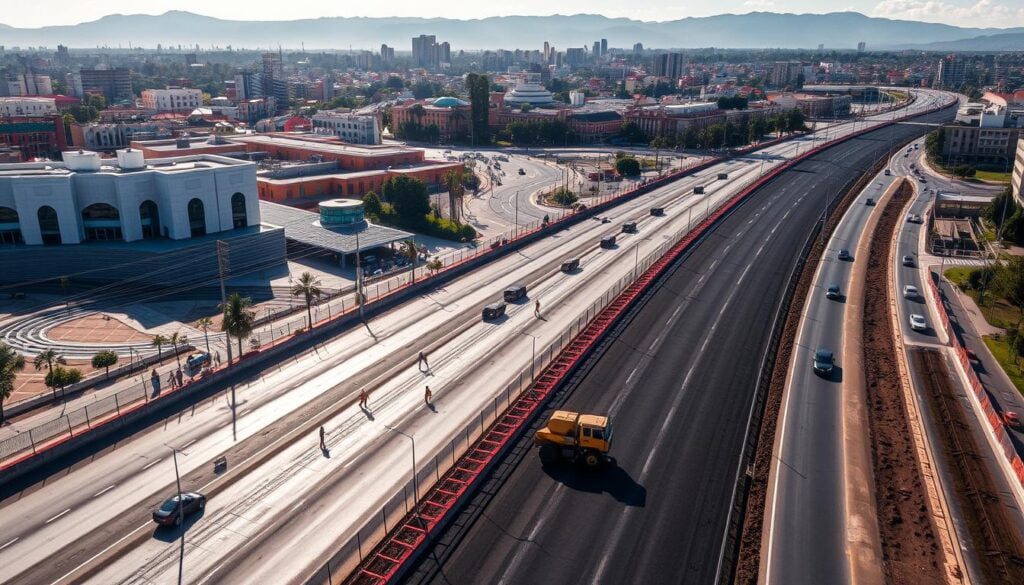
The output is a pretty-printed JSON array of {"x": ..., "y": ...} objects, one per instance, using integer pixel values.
[
  {"x": 996, "y": 311},
  {"x": 958, "y": 276},
  {"x": 995, "y": 177},
  {"x": 1001, "y": 351}
]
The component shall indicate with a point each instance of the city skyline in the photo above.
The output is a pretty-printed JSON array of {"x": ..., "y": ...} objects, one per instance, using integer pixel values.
[{"x": 981, "y": 13}]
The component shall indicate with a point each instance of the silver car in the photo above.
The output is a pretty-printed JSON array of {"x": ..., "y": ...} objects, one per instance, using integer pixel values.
[{"x": 917, "y": 322}]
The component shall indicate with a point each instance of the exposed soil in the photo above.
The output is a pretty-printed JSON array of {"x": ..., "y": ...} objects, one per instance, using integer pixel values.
[
  {"x": 992, "y": 531},
  {"x": 749, "y": 554},
  {"x": 910, "y": 550}
]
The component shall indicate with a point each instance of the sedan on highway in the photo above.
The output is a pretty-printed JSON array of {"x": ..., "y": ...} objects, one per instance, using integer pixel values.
[
  {"x": 844, "y": 254},
  {"x": 908, "y": 261},
  {"x": 824, "y": 361},
  {"x": 910, "y": 292},
  {"x": 832, "y": 292},
  {"x": 168, "y": 512},
  {"x": 917, "y": 322}
]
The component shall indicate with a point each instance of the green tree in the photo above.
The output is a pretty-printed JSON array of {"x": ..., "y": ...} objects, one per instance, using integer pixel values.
[
  {"x": 455, "y": 184},
  {"x": 239, "y": 319},
  {"x": 48, "y": 358},
  {"x": 395, "y": 83},
  {"x": 205, "y": 323},
  {"x": 412, "y": 253},
  {"x": 631, "y": 132},
  {"x": 1009, "y": 282},
  {"x": 409, "y": 197},
  {"x": 159, "y": 341},
  {"x": 308, "y": 287},
  {"x": 934, "y": 143},
  {"x": 627, "y": 166},
  {"x": 11, "y": 362},
  {"x": 61, "y": 377},
  {"x": 104, "y": 359},
  {"x": 478, "y": 86},
  {"x": 176, "y": 339},
  {"x": 372, "y": 205}
]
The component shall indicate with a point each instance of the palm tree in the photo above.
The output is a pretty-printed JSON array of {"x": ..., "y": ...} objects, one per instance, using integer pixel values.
[
  {"x": 205, "y": 323},
  {"x": 308, "y": 287},
  {"x": 239, "y": 320},
  {"x": 159, "y": 341},
  {"x": 409, "y": 251},
  {"x": 11, "y": 363},
  {"x": 48, "y": 358},
  {"x": 175, "y": 340},
  {"x": 456, "y": 190}
]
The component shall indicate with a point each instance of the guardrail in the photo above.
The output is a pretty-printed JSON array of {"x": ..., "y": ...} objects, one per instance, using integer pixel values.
[
  {"x": 390, "y": 558},
  {"x": 995, "y": 422}
]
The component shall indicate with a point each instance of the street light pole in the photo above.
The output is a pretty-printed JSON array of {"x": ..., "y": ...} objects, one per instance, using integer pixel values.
[
  {"x": 533, "y": 360},
  {"x": 415, "y": 483},
  {"x": 181, "y": 516}
]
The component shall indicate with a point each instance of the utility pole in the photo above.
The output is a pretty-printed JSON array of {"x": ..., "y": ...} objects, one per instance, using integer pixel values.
[
  {"x": 223, "y": 268},
  {"x": 517, "y": 213},
  {"x": 181, "y": 516},
  {"x": 359, "y": 280}
]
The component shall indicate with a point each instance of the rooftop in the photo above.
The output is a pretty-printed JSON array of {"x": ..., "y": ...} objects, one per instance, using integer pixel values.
[{"x": 304, "y": 227}]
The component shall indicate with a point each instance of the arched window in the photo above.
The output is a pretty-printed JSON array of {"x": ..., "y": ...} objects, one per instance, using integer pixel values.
[
  {"x": 197, "y": 218},
  {"x": 10, "y": 227},
  {"x": 239, "y": 219},
  {"x": 149, "y": 217},
  {"x": 102, "y": 223},
  {"x": 49, "y": 227}
]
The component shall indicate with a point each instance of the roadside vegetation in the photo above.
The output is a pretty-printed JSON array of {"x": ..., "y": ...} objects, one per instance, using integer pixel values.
[
  {"x": 999, "y": 293},
  {"x": 404, "y": 203}
]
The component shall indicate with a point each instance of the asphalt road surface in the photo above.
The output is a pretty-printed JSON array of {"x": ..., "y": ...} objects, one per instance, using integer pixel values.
[{"x": 678, "y": 382}]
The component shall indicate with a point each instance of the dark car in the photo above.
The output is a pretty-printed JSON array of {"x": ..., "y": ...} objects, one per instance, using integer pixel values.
[
  {"x": 168, "y": 513},
  {"x": 629, "y": 227},
  {"x": 657, "y": 211},
  {"x": 832, "y": 292},
  {"x": 493, "y": 311},
  {"x": 608, "y": 242},
  {"x": 571, "y": 265},
  {"x": 515, "y": 292},
  {"x": 908, "y": 261},
  {"x": 844, "y": 254},
  {"x": 824, "y": 361}
]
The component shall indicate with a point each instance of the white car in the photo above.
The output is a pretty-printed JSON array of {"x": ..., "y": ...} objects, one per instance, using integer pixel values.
[
  {"x": 910, "y": 292},
  {"x": 917, "y": 322}
]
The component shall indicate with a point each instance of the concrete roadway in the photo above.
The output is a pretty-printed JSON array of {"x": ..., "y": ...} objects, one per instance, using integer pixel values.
[{"x": 678, "y": 382}]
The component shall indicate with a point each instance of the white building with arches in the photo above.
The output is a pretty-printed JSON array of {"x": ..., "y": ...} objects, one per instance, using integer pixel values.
[{"x": 90, "y": 199}]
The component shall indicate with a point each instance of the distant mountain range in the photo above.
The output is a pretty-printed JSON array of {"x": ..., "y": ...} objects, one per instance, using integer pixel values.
[{"x": 837, "y": 30}]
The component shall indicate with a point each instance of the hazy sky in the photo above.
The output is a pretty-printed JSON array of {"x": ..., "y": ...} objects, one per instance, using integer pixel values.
[{"x": 972, "y": 13}]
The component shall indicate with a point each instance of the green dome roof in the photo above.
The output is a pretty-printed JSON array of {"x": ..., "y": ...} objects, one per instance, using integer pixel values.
[{"x": 449, "y": 102}]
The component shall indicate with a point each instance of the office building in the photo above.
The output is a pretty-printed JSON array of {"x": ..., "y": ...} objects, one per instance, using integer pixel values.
[
  {"x": 34, "y": 136},
  {"x": 248, "y": 85},
  {"x": 427, "y": 53},
  {"x": 354, "y": 128},
  {"x": 113, "y": 84},
  {"x": 172, "y": 99},
  {"x": 784, "y": 73},
  {"x": 950, "y": 73},
  {"x": 27, "y": 106},
  {"x": 387, "y": 55},
  {"x": 861, "y": 46},
  {"x": 575, "y": 56},
  {"x": 670, "y": 65}
]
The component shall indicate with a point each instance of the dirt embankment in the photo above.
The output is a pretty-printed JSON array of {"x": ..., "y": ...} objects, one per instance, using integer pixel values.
[
  {"x": 910, "y": 551},
  {"x": 990, "y": 526}
]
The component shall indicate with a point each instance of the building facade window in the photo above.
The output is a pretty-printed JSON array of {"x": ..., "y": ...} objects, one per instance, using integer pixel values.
[
  {"x": 102, "y": 223},
  {"x": 196, "y": 218},
  {"x": 49, "y": 226},
  {"x": 239, "y": 219},
  {"x": 149, "y": 217},
  {"x": 10, "y": 227}
]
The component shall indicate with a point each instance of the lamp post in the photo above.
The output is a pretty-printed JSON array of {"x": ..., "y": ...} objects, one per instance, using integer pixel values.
[
  {"x": 181, "y": 514},
  {"x": 533, "y": 360},
  {"x": 415, "y": 484}
]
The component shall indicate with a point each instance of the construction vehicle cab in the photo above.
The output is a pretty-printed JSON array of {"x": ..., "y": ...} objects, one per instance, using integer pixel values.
[{"x": 574, "y": 437}]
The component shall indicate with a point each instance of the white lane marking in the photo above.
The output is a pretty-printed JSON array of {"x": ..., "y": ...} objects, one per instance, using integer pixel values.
[
  {"x": 151, "y": 464},
  {"x": 104, "y": 490},
  {"x": 57, "y": 516},
  {"x": 553, "y": 501},
  {"x": 9, "y": 542}
]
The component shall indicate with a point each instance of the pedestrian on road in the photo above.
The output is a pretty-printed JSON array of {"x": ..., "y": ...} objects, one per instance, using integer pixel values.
[
  {"x": 364, "y": 398},
  {"x": 536, "y": 309},
  {"x": 170, "y": 380},
  {"x": 179, "y": 378},
  {"x": 427, "y": 395},
  {"x": 423, "y": 361},
  {"x": 216, "y": 357},
  {"x": 323, "y": 442}
]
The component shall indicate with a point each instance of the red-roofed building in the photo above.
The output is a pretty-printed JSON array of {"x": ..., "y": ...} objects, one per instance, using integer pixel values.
[{"x": 298, "y": 124}]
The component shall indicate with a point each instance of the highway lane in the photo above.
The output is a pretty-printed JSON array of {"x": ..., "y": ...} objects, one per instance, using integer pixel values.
[
  {"x": 678, "y": 382},
  {"x": 67, "y": 511}
]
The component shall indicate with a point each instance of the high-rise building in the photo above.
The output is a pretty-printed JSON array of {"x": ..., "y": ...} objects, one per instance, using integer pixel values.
[
  {"x": 784, "y": 73},
  {"x": 547, "y": 52},
  {"x": 638, "y": 48},
  {"x": 575, "y": 56},
  {"x": 671, "y": 65},
  {"x": 444, "y": 52},
  {"x": 387, "y": 54},
  {"x": 596, "y": 50},
  {"x": 604, "y": 47},
  {"x": 424, "y": 51},
  {"x": 274, "y": 82},
  {"x": 950, "y": 73},
  {"x": 861, "y": 46},
  {"x": 114, "y": 84},
  {"x": 248, "y": 85}
]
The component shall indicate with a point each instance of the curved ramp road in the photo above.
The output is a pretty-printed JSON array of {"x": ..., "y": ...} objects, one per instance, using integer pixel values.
[{"x": 678, "y": 381}]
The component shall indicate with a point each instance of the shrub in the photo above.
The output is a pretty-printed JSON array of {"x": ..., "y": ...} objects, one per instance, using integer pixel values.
[{"x": 564, "y": 197}]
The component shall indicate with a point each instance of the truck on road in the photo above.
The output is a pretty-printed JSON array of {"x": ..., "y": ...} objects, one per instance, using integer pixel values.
[{"x": 574, "y": 437}]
